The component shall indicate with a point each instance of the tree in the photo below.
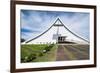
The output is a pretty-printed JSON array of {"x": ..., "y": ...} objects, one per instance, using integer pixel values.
[{"x": 22, "y": 40}]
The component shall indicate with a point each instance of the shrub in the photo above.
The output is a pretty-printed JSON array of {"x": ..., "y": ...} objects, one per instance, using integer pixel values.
[
  {"x": 31, "y": 57},
  {"x": 40, "y": 54}
]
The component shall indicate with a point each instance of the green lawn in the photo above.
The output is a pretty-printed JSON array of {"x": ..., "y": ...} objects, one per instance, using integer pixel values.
[{"x": 38, "y": 52}]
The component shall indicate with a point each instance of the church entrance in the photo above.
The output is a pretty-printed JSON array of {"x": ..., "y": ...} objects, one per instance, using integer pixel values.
[{"x": 61, "y": 39}]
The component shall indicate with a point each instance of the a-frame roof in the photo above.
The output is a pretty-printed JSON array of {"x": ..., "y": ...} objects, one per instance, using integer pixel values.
[{"x": 57, "y": 23}]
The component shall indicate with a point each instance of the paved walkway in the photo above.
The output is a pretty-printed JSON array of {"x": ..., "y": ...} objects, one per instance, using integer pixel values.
[
  {"x": 61, "y": 55},
  {"x": 69, "y": 52}
]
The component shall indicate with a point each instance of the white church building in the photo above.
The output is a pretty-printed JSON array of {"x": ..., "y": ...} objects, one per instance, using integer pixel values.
[{"x": 57, "y": 33}]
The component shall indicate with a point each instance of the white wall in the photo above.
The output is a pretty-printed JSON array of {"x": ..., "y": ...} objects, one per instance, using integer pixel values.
[{"x": 5, "y": 37}]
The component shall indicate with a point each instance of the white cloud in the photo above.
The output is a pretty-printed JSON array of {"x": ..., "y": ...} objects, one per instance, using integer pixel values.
[{"x": 78, "y": 22}]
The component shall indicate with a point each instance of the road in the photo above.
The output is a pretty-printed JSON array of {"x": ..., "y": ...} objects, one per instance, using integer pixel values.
[{"x": 72, "y": 52}]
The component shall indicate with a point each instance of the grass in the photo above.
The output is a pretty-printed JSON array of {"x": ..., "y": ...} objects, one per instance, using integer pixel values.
[
  {"x": 48, "y": 52},
  {"x": 49, "y": 56},
  {"x": 37, "y": 52}
]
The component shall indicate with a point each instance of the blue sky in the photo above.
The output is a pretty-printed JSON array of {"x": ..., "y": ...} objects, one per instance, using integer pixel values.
[{"x": 34, "y": 22}]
